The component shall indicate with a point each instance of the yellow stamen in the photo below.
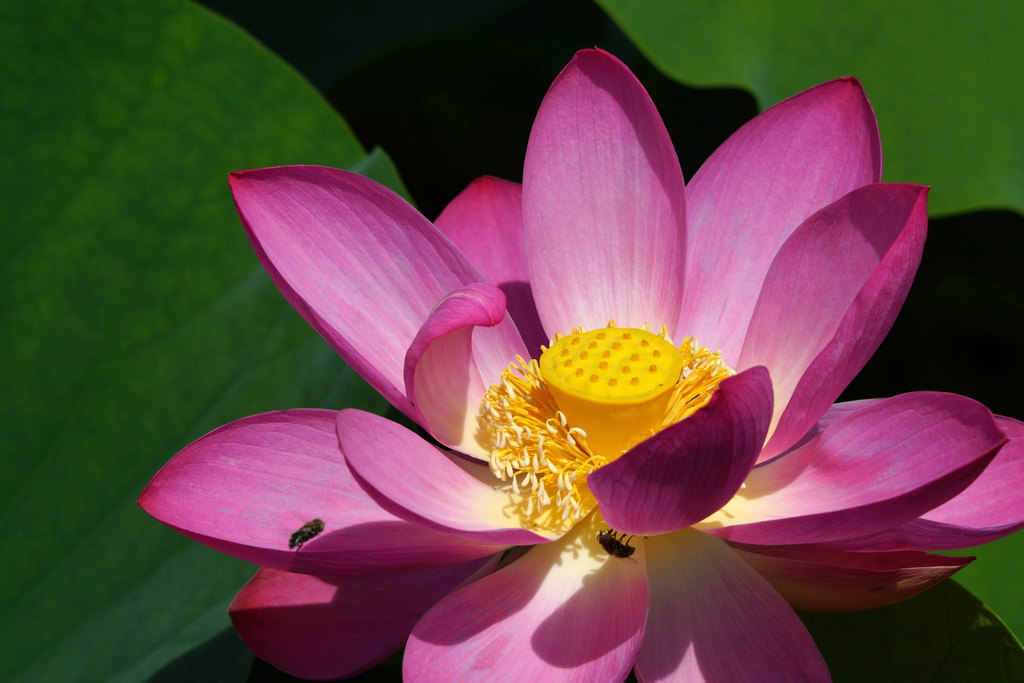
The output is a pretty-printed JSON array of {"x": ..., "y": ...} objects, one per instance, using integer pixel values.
[
  {"x": 591, "y": 397},
  {"x": 531, "y": 436}
]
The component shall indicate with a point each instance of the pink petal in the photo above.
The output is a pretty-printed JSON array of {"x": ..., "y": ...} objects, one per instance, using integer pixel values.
[
  {"x": 831, "y": 295},
  {"x": 712, "y": 618},
  {"x": 245, "y": 488},
  {"x": 564, "y": 611},
  {"x": 989, "y": 509},
  {"x": 811, "y": 577},
  {"x": 996, "y": 497},
  {"x": 325, "y": 627},
  {"x": 834, "y": 412},
  {"x": 603, "y": 211},
  {"x": 459, "y": 352},
  {"x": 416, "y": 481},
  {"x": 485, "y": 221},
  {"x": 748, "y": 198},
  {"x": 360, "y": 264},
  {"x": 871, "y": 470},
  {"x": 684, "y": 473}
]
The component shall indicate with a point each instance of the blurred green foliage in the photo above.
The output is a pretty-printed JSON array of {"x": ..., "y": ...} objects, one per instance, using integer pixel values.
[
  {"x": 944, "y": 77},
  {"x": 945, "y": 634},
  {"x": 136, "y": 316}
]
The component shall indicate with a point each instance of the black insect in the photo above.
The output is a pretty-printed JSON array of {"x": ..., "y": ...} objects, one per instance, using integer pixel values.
[
  {"x": 615, "y": 544},
  {"x": 306, "y": 532}
]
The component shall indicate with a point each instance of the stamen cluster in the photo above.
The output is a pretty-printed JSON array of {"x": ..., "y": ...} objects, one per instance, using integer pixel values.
[
  {"x": 534, "y": 447},
  {"x": 546, "y": 458}
]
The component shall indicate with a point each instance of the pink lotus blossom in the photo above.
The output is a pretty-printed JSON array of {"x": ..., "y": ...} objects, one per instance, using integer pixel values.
[{"x": 744, "y": 490}]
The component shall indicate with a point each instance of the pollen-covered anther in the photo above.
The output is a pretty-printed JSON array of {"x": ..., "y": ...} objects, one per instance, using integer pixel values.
[{"x": 534, "y": 448}]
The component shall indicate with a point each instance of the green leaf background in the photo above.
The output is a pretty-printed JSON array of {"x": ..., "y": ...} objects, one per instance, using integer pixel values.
[
  {"x": 946, "y": 634},
  {"x": 944, "y": 77},
  {"x": 136, "y": 317}
]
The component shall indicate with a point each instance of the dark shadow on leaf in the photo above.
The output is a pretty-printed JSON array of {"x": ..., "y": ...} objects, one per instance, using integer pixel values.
[
  {"x": 224, "y": 657},
  {"x": 944, "y": 634},
  {"x": 388, "y": 672}
]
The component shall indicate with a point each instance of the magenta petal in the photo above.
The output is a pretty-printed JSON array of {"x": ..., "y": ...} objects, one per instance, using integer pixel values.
[
  {"x": 416, "y": 481},
  {"x": 866, "y": 472},
  {"x": 834, "y": 412},
  {"x": 360, "y": 264},
  {"x": 566, "y": 611},
  {"x": 712, "y": 618},
  {"x": 820, "y": 579},
  {"x": 246, "y": 487},
  {"x": 752, "y": 193},
  {"x": 325, "y": 627},
  {"x": 990, "y": 508},
  {"x": 459, "y": 352},
  {"x": 995, "y": 500},
  {"x": 682, "y": 474},
  {"x": 485, "y": 221},
  {"x": 831, "y": 295},
  {"x": 603, "y": 211}
]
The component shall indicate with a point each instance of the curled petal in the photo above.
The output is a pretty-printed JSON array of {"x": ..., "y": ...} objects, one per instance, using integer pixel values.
[
  {"x": 682, "y": 474},
  {"x": 485, "y": 221},
  {"x": 603, "y": 210},
  {"x": 819, "y": 579},
  {"x": 462, "y": 348},
  {"x": 246, "y": 487}
]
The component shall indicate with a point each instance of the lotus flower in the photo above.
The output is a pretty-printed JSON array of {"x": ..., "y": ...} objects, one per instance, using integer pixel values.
[{"x": 640, "y": 466}]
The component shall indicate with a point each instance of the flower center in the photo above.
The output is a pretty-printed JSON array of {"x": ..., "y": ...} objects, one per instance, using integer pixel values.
[
  {"x": 612, "y": 383},
  {"x": 591, "y": 397}
]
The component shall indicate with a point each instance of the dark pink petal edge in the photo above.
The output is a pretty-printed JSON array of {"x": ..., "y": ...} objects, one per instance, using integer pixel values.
[
  {"x": 866, "y": 472},
  {"x": 821, "y": 579},
  {"x": 989, "y": 509}
]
